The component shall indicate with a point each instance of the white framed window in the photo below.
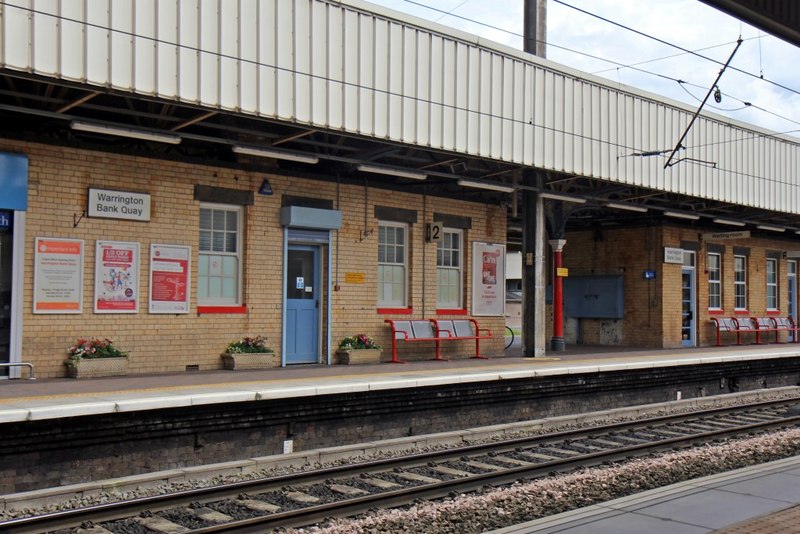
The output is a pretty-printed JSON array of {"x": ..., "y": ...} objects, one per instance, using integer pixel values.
[
  {"x": 740, "y": 282},
  {"x": 392, "y": 265},
  {"x": 219, "y": 279},
  {"x": 449, "y": 270},
  {"x": 772, "y": 284},
  {"x": 714, "y": 267}
]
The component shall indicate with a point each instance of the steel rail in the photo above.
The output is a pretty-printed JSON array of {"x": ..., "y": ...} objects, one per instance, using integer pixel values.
[{"x": 112, "y": 511}]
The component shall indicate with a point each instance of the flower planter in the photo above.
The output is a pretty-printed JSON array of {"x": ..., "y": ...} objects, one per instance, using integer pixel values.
[
  {"x": 358, "y": 356},
  {"x": 96, "y": 367},
  {"x": 249, "y": 360}
]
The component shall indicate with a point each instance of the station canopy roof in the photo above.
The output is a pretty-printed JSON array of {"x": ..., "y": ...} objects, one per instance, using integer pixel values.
[{"x": 41, "y": 109}]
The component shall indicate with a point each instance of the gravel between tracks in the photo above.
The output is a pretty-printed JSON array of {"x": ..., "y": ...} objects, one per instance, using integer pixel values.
[
  {"x": 80, "y": 499},
  {"x": 504, "y": 507}
]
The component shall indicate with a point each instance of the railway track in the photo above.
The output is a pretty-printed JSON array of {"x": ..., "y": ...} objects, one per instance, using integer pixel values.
[{"x": 311, "y": 496}]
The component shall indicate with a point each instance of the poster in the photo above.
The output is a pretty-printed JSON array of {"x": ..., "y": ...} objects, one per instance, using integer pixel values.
[
  {"x": 488, "y": 279},
  {"x": 58, "y": 275},
  {"x": 116, "y": 277},
  {"x": 169, "y": 278}
]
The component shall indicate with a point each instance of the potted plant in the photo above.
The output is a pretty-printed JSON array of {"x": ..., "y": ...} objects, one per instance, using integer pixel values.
[
  {"x": 249, "y": 353},
  {"x": 358, "y": 349},
  {"x": 95, "y": 357}
]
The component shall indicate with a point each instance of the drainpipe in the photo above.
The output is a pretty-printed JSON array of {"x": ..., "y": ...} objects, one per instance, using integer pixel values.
[{"x": 557, "y": 342}]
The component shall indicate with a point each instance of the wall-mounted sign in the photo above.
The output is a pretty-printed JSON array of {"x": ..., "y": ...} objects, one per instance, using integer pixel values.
[
  {"x": 354, "y": 278},
  {"x": 169, "y": 278},
  {"x": 488, "y": 279},
  {"x": 116, "y": 277},
  {"x": 649, "y": 275},
  {"x": 715, "y": 236},
  {"x": 433, "y": 231},
  {"x": 58, "y": 275},
  {"x": 673, "y": 255},
  {"x": 118, "y": 205},
  {"x": 5, "y": 220}
]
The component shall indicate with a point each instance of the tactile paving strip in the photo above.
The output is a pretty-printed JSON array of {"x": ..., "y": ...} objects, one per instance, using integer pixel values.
[{"x": 775, "y": 523}]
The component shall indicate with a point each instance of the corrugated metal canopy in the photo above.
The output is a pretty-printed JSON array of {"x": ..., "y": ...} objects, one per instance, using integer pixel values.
[{"x": 343, "y": 85}]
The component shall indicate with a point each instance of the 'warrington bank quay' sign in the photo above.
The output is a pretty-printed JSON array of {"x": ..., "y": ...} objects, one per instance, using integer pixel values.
[{"x": 119, "y": 205}]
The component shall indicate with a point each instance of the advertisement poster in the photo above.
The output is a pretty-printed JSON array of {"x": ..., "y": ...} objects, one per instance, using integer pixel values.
[
  {"x": 58, "y": 275},
  {"x": 116, "y": 277},
  {"x": 488, "y": 279},
  {"x": 169, "y": 278}
]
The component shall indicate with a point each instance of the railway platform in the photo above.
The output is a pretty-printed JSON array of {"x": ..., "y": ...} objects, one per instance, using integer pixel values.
[
  {"x": 43, "y": 399},
  {"x": 758, "y": 499}
]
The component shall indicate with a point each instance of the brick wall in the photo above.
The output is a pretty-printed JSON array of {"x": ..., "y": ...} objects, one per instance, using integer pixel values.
[
  {"x": 625, "y": 252},
  {"x": 58, "y": 181},
  {"x": 653, "y": 307}
]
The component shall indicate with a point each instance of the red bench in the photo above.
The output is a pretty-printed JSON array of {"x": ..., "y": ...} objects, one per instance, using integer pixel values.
[
  {"x": 733, "y": 325},
  {"x": 462, "y": 329},
  {"x": 436, "y": 331},
  {"x": 764, "y": 324},
  {"x": 786, "y": 324}
]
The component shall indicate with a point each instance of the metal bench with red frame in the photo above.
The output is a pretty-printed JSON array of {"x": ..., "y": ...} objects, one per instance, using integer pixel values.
[
  {"x": 733, "y": 325},
  {"x": 786, "y": 324},
  {"x": 764, "y": 324},
  {"x": 411, "y": 331},
  {"x": 437, "y": 331},
  {"x": 461, "y": 329}
]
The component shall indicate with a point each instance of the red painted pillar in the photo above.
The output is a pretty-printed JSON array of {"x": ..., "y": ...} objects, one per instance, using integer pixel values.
[{"x": 557, "y": 342}]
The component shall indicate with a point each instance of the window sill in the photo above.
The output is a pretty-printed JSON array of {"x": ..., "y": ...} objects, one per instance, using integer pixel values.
[
  {"x": 716, "y": 311},
  {"x": 208, "y": 310},
  {"x": 395, "y": 311},
  {"x": 741, "y": 312},
  {"x": 454, "y": 311},
  {"x": 773, "y": 312}
]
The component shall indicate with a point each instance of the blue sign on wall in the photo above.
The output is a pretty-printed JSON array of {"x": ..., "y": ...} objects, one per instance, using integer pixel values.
[
  {"x": 5, "y": 220},
  {"x": 13, "y": 181}
]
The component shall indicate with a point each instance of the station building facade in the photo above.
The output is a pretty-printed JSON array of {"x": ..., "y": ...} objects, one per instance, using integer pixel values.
[
  {"x": 668, "y": 281},
  {"x": 243, "y": 259},
  {"x": 346, "y": 83}
]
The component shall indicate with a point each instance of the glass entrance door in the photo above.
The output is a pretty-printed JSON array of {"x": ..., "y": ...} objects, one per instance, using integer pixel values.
[
  {"x": 687, "y": 301},
  {"x": 6, "y": 265}
]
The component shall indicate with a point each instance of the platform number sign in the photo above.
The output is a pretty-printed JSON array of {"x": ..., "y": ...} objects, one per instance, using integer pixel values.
[{"x": 434, "y": 231}]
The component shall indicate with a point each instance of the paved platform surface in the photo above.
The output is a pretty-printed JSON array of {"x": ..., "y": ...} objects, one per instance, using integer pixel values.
[
  {"x": 763, "y": 499},
  {"x": 25, "y": 400}
]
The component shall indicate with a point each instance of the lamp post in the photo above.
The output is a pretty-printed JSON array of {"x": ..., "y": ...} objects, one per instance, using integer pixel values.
[{"x": 557, "y": 342}]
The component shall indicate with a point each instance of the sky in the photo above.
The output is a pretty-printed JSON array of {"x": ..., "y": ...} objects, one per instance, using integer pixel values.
[{"x": 763, "y": 71}]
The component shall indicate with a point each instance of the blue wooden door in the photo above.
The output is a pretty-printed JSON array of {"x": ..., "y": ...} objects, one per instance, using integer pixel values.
[{"x": 302, "y": 304}]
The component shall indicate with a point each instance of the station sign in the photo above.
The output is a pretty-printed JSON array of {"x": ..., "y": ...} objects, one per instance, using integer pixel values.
[
  {"x": 111, "y": 204},
  {"x": 715, "y": 236},
  {"x": 673, "y": 255}
]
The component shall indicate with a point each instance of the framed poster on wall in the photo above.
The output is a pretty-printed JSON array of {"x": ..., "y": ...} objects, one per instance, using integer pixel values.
[
  {"x": 58, "y": 275},
  {"x": 116, "y": 277},
  {"x": 488, "y": 279},
  {"x": 169, "y": 278}
]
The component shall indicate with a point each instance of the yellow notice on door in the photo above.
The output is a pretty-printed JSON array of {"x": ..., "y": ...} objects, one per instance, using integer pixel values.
[
  {"x": 354, "y": 278},
  {"x": 563, "y": 272}
]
